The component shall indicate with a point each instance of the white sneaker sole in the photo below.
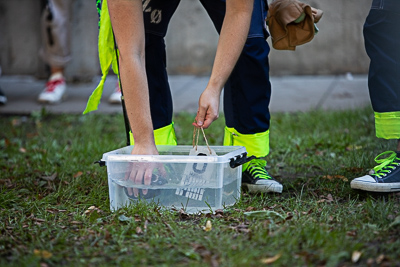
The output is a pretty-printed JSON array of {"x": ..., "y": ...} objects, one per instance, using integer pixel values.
[
  {"x": 3, "y": 100},
  {"x": 115, "y": 100},
  {"x": 43, "y": 100},
  {"x": 367, "y": 183},
  {"x": 264, "y": 188}
]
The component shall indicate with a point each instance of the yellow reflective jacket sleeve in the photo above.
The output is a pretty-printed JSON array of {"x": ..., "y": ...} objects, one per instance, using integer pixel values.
[{"x": 107, "y": 57}]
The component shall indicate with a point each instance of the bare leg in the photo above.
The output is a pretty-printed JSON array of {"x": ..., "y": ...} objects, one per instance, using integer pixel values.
[{"x": 54, "y": 70}]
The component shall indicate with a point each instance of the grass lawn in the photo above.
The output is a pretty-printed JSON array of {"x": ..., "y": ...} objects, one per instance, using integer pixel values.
[{"x": 54, "y": 204}]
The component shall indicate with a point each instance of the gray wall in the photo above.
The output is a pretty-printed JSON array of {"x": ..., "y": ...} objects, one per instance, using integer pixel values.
[
  {"x": 20, "y": 39},
  {"x": 191, "y": 40}
]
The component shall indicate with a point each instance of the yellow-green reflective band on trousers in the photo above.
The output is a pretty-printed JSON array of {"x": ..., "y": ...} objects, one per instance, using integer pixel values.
[
  {"x": 387, "y": 125},
  {"x": 255, "y": 144},
  {"x": 162, "y": 136}
]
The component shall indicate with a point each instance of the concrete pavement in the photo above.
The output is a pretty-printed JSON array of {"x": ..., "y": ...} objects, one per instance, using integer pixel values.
[{"x": 289, "y": 94}]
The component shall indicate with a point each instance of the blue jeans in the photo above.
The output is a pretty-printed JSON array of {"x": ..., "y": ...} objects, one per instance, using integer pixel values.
[
  {"x": 247, "y": 92},
  {"x": 382, "y": 42}
]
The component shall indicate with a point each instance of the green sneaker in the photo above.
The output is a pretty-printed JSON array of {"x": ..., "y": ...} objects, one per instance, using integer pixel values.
[
  {"x": 257, "y": 180},
  {"x": 383, "y": 178}
]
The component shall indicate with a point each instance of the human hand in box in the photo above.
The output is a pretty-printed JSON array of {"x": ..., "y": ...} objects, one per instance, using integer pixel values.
[{"x": 144, "y": 173}]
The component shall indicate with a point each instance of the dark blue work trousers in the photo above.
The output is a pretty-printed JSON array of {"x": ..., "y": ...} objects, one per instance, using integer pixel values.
[
  {"x": 382, "y": 43},
  {"x": 248, "y": 90}
]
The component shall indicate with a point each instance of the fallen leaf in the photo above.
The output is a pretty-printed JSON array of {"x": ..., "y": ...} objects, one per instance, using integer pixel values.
[
  {"x": 42, "y": 253},
  {"x": 334, "y": 177},
  {"x": 243, "y": 228},
  {"x": 289, "y": 217},
  {"x": 250, "y": 208},
  {"x": 370, "y": 262},
  {"x": 219, "y": 212},
  {"x": 31, "y": 135},
  {"x": 353, "y": 147},
  {"x": 52, "y": 211},
  {"x": 38, "y": 220},
  {"x": 91, "y": 209},
  {"x": 327, "y": 198},
  {"x": 380, "y": 259},
  {"x": 139, "y": 230},
  {"x": 46, "y": 254},
  {"x": 351, "y": 233},
  {"x": 78, "y": 174},
  {"x": 183, "y": 215},
  {"x": 208, "y": 226},
  {"x": 356, "y": 256},
  {"x": 307, "y": 213},
  {"x": 319, "y": 153},
  {"x": 15, "y": 122},
  {"x": 50, "y": 178},
  {"x": 272, "y": 259}
]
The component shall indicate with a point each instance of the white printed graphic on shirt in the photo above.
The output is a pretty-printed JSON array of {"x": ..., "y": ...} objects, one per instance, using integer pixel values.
[{"x": 155, "y": 14}]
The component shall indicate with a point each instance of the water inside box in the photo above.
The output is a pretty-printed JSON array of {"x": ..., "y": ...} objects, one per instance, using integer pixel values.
[{"x": 193, "y": 182}]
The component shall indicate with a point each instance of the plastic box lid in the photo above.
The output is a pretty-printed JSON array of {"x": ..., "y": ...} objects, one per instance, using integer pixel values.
[{"x": 176, "y": 154}]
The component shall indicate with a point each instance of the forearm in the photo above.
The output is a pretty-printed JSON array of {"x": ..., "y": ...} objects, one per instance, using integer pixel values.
[
  {"x": 127, "y": 21},
  {"x": 136, "y": 97},
  {"x": 232, "y": 38},
  {"x": 230, "y": 45}
]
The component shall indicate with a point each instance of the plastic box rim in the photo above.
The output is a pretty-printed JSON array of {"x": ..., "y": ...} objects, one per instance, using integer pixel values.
[{"x": 114, "y": 156}]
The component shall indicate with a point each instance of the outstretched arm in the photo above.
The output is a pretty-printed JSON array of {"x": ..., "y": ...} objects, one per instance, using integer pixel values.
[
  {"x": 128, "y": 26},
  {"x": 127, "y": 21},
  {"x": 233, "y": 35}
]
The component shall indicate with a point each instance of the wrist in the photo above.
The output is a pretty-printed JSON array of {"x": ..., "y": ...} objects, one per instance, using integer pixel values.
[
  {"x": 143, "y": 139},
  {"x": 214, "y": 87}
]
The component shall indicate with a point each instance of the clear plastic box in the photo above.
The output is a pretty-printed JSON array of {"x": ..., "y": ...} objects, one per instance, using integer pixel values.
[{"x": 194, "y": 183}]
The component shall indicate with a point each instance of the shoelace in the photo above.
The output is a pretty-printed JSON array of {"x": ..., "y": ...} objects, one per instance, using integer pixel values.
[
  {"x": 386, "y": 165},
  {"x": 51, "y": 85},
  {"x": 257, "y": 169}
]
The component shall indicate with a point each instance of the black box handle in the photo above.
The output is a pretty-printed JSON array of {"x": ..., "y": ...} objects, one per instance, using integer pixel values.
[
  {"x": 240, "y": 160},
  {"x": 100, "y": 162}
]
